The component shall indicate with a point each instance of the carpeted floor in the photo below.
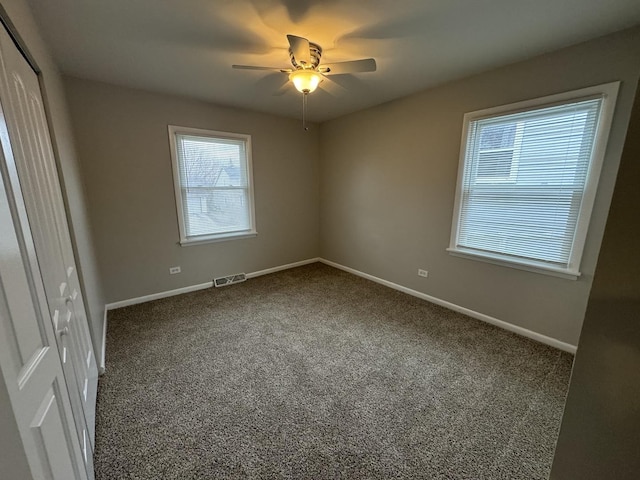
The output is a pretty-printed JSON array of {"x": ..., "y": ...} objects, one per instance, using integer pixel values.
[{"x": 314, "y": 373}]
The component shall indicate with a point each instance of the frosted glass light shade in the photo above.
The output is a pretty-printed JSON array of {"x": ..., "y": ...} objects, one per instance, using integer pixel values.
[{"x": 305, "y": 81}]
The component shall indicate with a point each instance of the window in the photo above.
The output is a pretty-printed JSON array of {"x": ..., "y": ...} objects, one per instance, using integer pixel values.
[
  {"x": 213, "y": 185},
  {"x": 527, "y": 179}
]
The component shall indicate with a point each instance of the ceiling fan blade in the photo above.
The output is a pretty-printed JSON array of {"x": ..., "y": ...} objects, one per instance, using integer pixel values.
[
  {"x": 253, "y": 67},
  {"x": 332, "y": 87},
  {"x": 352, "y": 66},
  {"x": 300, "y": 48},
  {"x": 282, "y": 90},
  {"x": 270, "y": 82}
]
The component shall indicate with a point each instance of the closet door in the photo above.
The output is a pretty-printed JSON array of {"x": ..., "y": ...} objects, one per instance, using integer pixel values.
[
  {"x": 29, "y": 137},
  {"x": 29, "y": 357}
]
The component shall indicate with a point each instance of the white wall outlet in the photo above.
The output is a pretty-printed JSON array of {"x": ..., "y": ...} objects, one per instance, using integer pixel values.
[
  {"x": 423, "y": 273},
  {"x": 174, "y": 270}
]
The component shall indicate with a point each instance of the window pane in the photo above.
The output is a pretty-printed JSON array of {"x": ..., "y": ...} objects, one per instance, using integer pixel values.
[
  {"x": 214, "y": 182},
  {"x": 524, "y": 179},
  {"x": 497, "y": 136},
  {"x": 208, "y": 162},
  {"x": 537, "y": 225},
  {"x": 495, "y": 164},
  {"x": 215, "y": 211}
]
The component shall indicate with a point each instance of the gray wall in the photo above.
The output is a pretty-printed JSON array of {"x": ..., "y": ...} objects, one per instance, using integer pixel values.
[
  {"x": 70, "y": 175},
  {"x": 123, "y": 143},
  {"x": 600, "y": 433},
  {"x": 388, "y": 178}
]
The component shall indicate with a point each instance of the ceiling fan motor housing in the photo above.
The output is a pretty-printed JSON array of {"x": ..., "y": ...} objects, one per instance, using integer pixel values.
[{"x": 315, "y": 52}]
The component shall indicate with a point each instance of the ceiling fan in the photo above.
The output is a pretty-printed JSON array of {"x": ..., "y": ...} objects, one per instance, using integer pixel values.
[{"x": 307, "y": 72}]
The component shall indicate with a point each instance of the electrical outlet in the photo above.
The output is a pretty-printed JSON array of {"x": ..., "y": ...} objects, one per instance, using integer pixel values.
[
  {"x": 423, "y": 273},
  {"x": 174, "y": 270}
]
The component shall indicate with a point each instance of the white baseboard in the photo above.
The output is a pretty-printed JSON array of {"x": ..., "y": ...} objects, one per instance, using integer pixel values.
[
  {"x": 201, "y": 286},
  {"x": 103, "y": 349},
  {"x": 452, "y": 306},
  {"x": 157, "y": 296},
  {"x": 282, "y": 267}
]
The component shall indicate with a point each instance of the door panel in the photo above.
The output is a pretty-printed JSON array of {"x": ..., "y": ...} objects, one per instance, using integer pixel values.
[
  {"x": 27, "y": 337},
  {"x": 46, "y": 427},
  {"x": 30, "y": 361},
  {"x": 35, "y": 166}
]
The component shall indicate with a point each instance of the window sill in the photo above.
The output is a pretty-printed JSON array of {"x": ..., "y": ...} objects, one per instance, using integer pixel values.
[
  {"x": 202, "y": 239},
  {"x": 529, "y": 266}
]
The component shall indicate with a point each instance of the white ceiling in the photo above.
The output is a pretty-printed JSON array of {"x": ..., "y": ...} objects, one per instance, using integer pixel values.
[{"x": 187, "y": 47}]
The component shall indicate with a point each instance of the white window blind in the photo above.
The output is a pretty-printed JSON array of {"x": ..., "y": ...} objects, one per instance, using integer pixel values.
[
  {"x": 213, "y": 184},
  {"x": 521, "y": 193}
]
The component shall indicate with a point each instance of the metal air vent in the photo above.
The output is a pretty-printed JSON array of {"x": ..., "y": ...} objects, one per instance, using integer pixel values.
[{"x": 229, "y": 280}]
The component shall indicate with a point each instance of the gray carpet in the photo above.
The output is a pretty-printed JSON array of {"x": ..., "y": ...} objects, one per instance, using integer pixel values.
[{"x": 314, "y": 373}]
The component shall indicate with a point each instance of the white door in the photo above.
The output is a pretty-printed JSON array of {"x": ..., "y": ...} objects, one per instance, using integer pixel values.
[
  {"x": 35, "y": 163},
  {"x": 29, "y": 356}
]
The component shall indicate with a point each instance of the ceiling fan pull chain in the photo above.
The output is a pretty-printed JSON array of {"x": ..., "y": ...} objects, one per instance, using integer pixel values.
[{"x": 304, "y": 111}]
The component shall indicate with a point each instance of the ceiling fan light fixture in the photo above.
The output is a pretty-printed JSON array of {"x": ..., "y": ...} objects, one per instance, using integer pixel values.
[
  {"x": 305, "y": 80},
  {"x": 307, "y": 73}
]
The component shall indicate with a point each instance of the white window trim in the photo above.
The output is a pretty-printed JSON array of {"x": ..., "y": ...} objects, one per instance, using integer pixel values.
[
  {"x": 202, "y": 239},
  {"x": 609, "y": 92}
]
